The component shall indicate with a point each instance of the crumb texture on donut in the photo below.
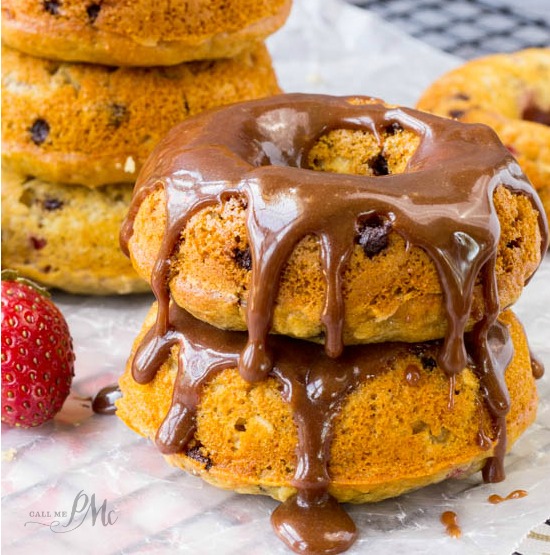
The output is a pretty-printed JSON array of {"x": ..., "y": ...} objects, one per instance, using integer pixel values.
[
  {"x": 140, "y": 32},
  {"x": 510, "y": 93},
  {"x": 67, "y": 236},
  {"x": 85, "y": 124},
  {"x": 394, "y": 433}
]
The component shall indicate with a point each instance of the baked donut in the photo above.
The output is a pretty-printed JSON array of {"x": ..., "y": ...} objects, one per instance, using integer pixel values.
[
  {"x": 511, "y": 93},
  {"x": 390, "y": 427},
  {"x": 138, "y": 33},
  {"x": 253, "y": 235},
  {"x": 85, "y": 124},
  {"x": 66, "y": 236}
]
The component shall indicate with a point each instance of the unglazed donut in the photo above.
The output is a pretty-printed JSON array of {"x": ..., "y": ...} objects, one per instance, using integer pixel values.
[
  {"x": 140, "y": 32},
  {"x": 392, "y": 432},
  {"x": 85, "y": 124},
  {"x": 391, "y": 287},
  {"x": 511, "y": 93},
  {"x": 66, "y": 236}
]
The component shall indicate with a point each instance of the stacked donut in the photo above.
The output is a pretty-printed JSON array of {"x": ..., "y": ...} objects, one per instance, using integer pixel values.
[
  {"x": 88, "y": 89},
  {"x": 333, "y": 277}
]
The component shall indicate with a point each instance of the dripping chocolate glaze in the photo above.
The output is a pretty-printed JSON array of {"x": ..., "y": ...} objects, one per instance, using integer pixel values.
[
  {"x": 314, "y": 384},
  {"x": 258, "y": 150}
]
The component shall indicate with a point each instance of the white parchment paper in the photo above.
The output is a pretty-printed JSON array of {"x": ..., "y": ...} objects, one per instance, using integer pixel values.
[{"x": 145, "y": 506}]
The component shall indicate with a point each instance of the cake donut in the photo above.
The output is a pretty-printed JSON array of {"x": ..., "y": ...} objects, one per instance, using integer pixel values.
[
  {"x": 141, "y": 32},
  {"x": 392, "y": 420},
  {"x": 85, "y": 124},
  {"x": 511, "y": 93},
  {"x": 230, "y": 221},
  {"x": 66, "y": 236}
]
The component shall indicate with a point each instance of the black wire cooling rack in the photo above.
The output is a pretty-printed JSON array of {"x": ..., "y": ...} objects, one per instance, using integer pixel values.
[{"x": 467, "y": 28}]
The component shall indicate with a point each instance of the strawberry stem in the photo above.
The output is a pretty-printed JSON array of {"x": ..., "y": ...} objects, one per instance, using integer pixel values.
[{"x": 13, "y": 275}]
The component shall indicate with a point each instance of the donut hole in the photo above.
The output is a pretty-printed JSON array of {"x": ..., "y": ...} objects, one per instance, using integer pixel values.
[{"x": 360, "y": 152}]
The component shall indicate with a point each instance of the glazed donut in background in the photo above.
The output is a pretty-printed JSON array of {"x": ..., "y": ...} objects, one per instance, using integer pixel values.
[
  {"x": 66, "y": 236},
  {"x": 141, "y": 32},
  {"x": 510, "y": 93},
  {"x": 391, "y": 287},
  {"x": 393, "y": 432},
  {"x": 85, "y": 124}
]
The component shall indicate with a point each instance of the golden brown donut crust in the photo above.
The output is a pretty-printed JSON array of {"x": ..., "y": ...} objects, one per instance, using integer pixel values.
[
  {"x": 394, "y": 295},
  {"x": 99, "y": 130},
  {"x": 391, "y": 436},
  {"x": 139, "y": 32},
  {"x": 66, "y": 236},
  {"x": 496, "y": 90}
]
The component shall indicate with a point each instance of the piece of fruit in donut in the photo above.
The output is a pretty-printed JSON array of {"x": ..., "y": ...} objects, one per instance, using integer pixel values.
[
  {"x": 511, "y": 93},
  {"x": 436, "y": 227},
  {"x": 378, "y": 421}
]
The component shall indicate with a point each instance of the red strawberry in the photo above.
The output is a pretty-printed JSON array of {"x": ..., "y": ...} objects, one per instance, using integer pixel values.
[{"x": 37, "y": 354}]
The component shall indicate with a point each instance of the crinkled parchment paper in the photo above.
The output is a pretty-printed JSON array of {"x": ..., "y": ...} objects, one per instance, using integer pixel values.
[{"x": 145, "y": 506}]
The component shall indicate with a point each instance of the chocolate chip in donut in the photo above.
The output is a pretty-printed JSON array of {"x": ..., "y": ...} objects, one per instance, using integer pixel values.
[
  {"x": 373, "y": 235},
  {"x": 39, "y": 130},
  {"x": 52, "y": 6},
  {"x": 379, "y": 165},
  {"x": 118, "y": 115},
  {"x": 51, "y": 204},
  {"x": 195, "y": 453},
  {"x": 243, "y": 258},
  {"x": 93, "y": 11}
]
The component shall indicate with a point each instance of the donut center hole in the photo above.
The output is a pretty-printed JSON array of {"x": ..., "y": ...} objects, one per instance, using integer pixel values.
[
  {"x": 359, "y": 152},
  {"x": 536, "y": 114}
]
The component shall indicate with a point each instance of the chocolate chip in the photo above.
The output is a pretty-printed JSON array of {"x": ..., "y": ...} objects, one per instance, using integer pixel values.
[
  {"x": 513, "y": 244},
  {"x": 119, "y": 115},
  {"x": 373, "y": 235},
  {"x": 379, "y": 165},
  {"x": 243, "y": 258},
  {"x": 456, "y": 114},
  {"x": 393, "y": 128},
  {"x": 93, "y": 11},
  {"x": 38, "y": 243},
  {"x": 195, "y": 454},
  {"x": 39, "y": 131},
  {"x": 51, "y": 6},
  {"x": 51, "y": 204},
  {"x": 428, "y": 363},
  {"x": 461, "y": 96}
]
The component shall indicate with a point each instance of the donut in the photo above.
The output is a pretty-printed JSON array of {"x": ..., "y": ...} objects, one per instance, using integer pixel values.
[
  {"x": 66, "y": 236},
  {"x": 391, "y": 426},
  {"x": 138, "y": 33},
  {"x": 511, "y": 93},
  {"x": 409, "y": 213},
  {"x": 84, "y": 124}
]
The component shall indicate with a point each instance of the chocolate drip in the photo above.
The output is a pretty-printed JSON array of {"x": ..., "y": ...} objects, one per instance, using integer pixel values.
[
  {"x": 258, "y": 151},
  {"x": 537, "y": 366},
  {"x": 104, "y": 401}
]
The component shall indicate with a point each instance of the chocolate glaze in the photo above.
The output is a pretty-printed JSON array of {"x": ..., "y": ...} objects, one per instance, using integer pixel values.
[
  {"x": 516, "y": 494},
  {"x": 450, "y": 520},
  {"x": 104, "y": 401},
  {"x": 258, "y": 151}
]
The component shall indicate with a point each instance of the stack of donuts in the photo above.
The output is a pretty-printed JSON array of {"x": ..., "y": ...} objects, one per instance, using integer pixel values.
[
  {"x": 88, "y": 89},
  {"x": 333, "y": 281}
]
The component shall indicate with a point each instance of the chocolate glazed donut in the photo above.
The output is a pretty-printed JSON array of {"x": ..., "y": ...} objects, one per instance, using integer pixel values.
[{"x": 442, "y": 203}]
